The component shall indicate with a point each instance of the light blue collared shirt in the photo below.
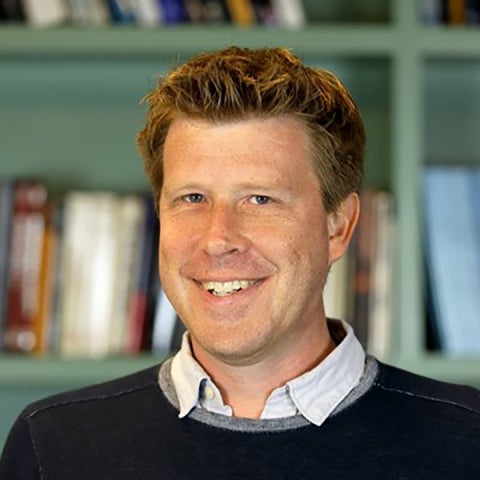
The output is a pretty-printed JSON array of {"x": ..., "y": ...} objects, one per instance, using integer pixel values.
[{"x": 314, "y": 394}]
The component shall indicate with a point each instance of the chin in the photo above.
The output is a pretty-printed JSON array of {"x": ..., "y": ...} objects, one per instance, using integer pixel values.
[{"x": 241, "y": 352}]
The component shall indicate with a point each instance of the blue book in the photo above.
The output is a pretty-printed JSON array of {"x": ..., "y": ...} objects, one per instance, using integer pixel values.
[
  {"x": 173, "y": 11},
  {"x": 121, "y": 12},
  {"x": 474, "y": 183},
  {"x": 452, "y": 253}
]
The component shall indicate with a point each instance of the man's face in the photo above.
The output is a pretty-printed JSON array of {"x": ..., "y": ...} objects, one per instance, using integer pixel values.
[{"x": 244, "y": 238}]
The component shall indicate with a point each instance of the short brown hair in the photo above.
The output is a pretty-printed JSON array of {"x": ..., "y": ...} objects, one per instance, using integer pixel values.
[{"x": 240, "y": 83}]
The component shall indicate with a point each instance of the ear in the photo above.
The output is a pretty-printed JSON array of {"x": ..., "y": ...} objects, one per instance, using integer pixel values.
[{"x": 341, "y": 225}]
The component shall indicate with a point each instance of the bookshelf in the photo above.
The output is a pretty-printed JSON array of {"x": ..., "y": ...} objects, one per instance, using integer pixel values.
[{"x": 387, "y": 58}]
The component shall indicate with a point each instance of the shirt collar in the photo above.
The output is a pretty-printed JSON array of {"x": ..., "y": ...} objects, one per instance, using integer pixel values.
[
  {"x": 317, "y": 392},
  {"x": 314, "y": 394}
]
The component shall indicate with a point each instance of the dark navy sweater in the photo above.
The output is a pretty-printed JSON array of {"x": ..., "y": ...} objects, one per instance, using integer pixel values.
[{"x": 402, "y": 426}]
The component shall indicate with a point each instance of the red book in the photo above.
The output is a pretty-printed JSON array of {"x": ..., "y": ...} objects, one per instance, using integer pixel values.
[{"x": 30, "y": 199}]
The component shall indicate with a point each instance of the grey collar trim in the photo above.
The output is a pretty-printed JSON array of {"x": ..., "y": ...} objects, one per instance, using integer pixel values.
[{"x": 263, "y": 425}]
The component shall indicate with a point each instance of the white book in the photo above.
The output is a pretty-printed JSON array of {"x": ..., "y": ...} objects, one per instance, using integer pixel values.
[
  {"x": 148, "y": 13},
  {"x": 379, "y": 333},
  {"x": 291, "y": 13},
  {"x": 90, "y": 255},
  {"x": 45, "y": 13}
]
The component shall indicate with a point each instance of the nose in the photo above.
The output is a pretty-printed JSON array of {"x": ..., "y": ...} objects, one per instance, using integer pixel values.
[{"x": 223, "y": 231}]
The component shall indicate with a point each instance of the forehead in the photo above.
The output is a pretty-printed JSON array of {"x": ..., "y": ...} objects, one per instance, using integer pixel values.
[{"x": 261, "y": 138}]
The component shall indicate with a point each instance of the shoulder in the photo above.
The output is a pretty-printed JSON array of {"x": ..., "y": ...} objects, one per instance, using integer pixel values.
[
  {"x": 426, "y": 392},
  {"x": 130, "y": 386},
  {"x": 49, "y": 433}
]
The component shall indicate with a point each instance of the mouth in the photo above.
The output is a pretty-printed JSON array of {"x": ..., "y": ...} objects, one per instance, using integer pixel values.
[{"x": 224, "y": 289}]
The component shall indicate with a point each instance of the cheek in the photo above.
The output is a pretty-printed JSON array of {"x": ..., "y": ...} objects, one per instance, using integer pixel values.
[{"x": 174, "y": 239}]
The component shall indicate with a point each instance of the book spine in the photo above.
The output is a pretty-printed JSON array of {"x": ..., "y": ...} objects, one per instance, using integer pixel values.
[
  {"x": 291, "y": 13},
  {"x": 6, "y": 216},
  {"x": 140, "y": 305},
  {"x": 121, "y": 12},
  {"x": 455, "y": 12},
  {"x": 452, "y": 259},
  {"x": 241, "y": 12},
  {"x": 364, "y": 247},
  {"x": 173, "y": 11},
  {"x": 42, "y": 319},
  {"x": 24, "y": 269},
  {"x": 46, "y": 13},
  {"x": 216, "y": 11}
]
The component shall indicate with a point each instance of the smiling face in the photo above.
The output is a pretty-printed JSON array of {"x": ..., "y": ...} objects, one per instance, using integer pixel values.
[{"x": 245, "y": 242}]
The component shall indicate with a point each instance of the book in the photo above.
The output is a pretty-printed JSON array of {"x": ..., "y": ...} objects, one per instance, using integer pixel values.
[
  {"x": 472, "y": 12},
  {"x": 452, "y": 257},
  {"x": 196, "y": 11},
  {"x": 431, "y": 12},
  {"x": 42, "y": 320},
  {"x": 455, "y": 12},
  {"x": 142, "y": 296},
  {"x": 46, "y": 13},
  {"x": 216, "y": 11},
  {"x": 129, "y": 221},
  {"x": 291, "y": 13},
  {"x": 380, "y": 308},
  {"x": 78, "y": 12},
  {"x": 173, "y": 11},
  {"x": 266, "y": 13},
  {"x": 28, "y": 225},
  {"x": 241, "y": 12},
  {"x": 6, "y": 216},
  {"x": 147, "y": 13},
  {"x": 164, "y": 324},
  {"x": 121, "y": 11},
  {"x": 11, "y": 11},
  {"x": 364, "y": 248},
  {"x": 90, "y": 255},
  {"x": 88, "y": 12}
]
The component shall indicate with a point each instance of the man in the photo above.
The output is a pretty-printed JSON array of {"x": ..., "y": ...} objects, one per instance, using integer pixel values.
[{"x": 256, "y": 162}]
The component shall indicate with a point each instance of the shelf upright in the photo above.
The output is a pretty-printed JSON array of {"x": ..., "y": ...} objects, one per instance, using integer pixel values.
[{"x": 407, "y": 148}]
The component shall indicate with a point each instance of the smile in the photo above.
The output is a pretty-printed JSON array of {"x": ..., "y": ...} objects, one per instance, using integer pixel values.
[{"x": 223, "y": 289}]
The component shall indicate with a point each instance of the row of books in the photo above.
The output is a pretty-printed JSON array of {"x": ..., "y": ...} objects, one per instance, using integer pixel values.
[
  {"x": 452, "y": 254},
  {"x": 360, "y": 286},
  {"x": 80, "y": 277},
  {"x": 450, "y": 12},
  {"x": 152, "y": 13}
]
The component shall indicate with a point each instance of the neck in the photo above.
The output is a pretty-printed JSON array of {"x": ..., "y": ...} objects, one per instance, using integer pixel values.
[{"x": 246, "y": 387}]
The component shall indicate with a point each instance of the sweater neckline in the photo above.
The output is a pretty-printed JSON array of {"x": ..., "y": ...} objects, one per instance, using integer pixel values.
[{"x": 262, "y": 425}]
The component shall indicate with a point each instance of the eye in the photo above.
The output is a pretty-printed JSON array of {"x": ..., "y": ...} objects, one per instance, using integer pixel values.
[
  {"x": 260, "y": 199},
  {"x": 194, "y": 198}
]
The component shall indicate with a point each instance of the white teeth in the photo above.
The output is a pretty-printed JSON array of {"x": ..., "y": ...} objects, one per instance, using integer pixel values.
[{"x": 222, "y": 289}]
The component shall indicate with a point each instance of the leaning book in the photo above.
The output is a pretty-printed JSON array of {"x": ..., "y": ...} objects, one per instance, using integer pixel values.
[{"x": 452, "y": 254}]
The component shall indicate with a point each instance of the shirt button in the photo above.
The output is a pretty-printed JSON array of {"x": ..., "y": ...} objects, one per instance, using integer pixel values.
[{"x": 209, "y": 393}]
